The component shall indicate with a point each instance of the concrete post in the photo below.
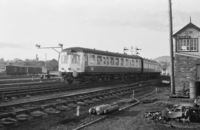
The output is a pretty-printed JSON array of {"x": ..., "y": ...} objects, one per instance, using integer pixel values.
[{"x": 192, "y": 89}]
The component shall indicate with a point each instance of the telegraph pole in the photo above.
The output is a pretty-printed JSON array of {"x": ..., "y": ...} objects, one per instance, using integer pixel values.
[{"x": 171, "y": 49}]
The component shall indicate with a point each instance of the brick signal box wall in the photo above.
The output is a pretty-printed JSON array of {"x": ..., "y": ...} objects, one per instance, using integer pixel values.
[{"x": 185, "y": 69}]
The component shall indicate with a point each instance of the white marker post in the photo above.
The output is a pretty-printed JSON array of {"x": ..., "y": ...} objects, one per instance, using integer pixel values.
[
  {"x": 133, "y": 95},
  {"x": 156, "y": 90},
  {"x": 78, "y": 111}
]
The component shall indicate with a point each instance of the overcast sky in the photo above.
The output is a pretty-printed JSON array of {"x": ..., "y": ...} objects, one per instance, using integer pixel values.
[{"x": 102, "y": 24}]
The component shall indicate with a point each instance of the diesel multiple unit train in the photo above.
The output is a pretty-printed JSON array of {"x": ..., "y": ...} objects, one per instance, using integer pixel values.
[{"x": 84, "y": 64}]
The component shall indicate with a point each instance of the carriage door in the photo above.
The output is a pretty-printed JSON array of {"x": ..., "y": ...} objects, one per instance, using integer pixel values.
[{"x": 198, "y": 72}]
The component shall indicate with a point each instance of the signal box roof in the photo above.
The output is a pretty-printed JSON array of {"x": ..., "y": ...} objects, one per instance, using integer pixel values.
[
  {"x": 99, "y": 52},
  {"x": 189, "y": 25}
]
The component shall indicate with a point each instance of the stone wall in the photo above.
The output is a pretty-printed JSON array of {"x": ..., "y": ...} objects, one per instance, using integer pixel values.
[{"x": 184, "y": 70}]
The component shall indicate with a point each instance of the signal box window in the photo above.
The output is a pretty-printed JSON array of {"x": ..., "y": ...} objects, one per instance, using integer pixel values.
[{"x": 187, "y": 44}]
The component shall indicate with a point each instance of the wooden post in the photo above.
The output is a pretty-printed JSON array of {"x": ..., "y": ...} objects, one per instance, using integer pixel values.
[{"x": 171, "y": 48}]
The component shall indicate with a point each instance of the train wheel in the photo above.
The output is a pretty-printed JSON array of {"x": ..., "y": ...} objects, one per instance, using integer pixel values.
[
  {"x": 69, "y": 81},
  {"x": 82, "y": 80}
]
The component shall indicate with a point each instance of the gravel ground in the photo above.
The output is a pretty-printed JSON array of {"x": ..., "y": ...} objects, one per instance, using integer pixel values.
[
  {"x": 132, "y": 118},
  {"x": 128, "y": 119},
  {"x": 64, "y": 118}
]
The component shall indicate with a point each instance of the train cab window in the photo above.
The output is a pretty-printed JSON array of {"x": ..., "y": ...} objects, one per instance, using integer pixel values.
[
  {"x": 117, "y": 61},
  {"x": 75, "y": 59},
  {"x": 64, "y": 59},
  {"x": 122, "y": 61},
  {"x": 108, "y": 60},
  {"x": 92, "y": 59},
  {"x": 104, "y": 60},
  {"x": 112, "y": 61},
  {"x": 99, "y": 60}
]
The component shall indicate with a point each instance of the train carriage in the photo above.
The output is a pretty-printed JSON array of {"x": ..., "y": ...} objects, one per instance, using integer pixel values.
[
  {"x": 10, "y": 70},
  {"x": 22, "y": 70},
  {"x": 80, "y": 62},
  {"x": 150, "y": 66}
]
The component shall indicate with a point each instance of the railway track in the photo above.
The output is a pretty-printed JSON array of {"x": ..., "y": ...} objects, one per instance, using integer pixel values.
[
  {"x": 40, "y": 88},
  {"x": 45, "y": 88},
  {"x": 10, "y": 112},
  {"x": 14, "y": 82}
]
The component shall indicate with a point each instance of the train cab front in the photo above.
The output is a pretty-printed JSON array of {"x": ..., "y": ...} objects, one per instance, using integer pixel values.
[{"x": 70, "y": 66}]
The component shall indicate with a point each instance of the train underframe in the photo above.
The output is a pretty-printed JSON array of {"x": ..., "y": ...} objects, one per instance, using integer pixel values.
[{"x": 70, "y": 77}]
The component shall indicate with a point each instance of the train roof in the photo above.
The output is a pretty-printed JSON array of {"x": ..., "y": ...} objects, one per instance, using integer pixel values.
[{"x": 100, "y": 52}]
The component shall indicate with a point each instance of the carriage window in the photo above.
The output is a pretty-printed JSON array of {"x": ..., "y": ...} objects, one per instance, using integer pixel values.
[
  {"x": 99, "y": 60},
  {"x": 129, "y": 62},
  {"x": 126, "y": 62},
  {"x": 104, "y": 60},
  {"x": 117, "y": 61},
  {"x": 132, "y": 62},
  {"x": 111, "y": 60},
  {"x": 64, "y": 59},
  {"x": 92, "y": 59},
  {"x": 75, "y": 59},
  {"x": 122, "y": 61},
  {"x": 86, "y": 59},
  {"x": 108, "y": 60}
]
